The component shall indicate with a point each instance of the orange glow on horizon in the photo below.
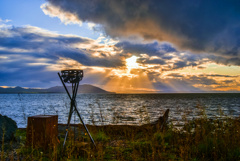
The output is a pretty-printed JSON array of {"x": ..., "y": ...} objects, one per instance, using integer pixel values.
[
  {"x": 6, "y": 86},
  {"x": 135, "y": 77}
]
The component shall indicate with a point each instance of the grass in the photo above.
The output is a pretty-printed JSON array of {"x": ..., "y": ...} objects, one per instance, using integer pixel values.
[{"x": 202, "y": 139}]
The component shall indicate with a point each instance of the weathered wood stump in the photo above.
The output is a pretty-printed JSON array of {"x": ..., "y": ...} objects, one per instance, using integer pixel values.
[{"x": 42, "y": 131}]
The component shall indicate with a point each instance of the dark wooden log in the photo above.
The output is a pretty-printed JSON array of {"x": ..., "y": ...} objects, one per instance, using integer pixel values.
[{"x": 159, "y": 125}]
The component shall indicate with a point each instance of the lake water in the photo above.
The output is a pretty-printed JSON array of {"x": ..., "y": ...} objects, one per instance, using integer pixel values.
[{"x": 120, "y": 108}]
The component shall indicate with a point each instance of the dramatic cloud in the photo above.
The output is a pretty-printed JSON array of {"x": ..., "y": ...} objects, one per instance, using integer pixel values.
[
  {"x": 198, "y": 26},
  {"x": 196, "y": 83},
  {"x": 65, "y": 17},
  {"x": 163, "y": 54},
  {"x": 43, "y": 44},
  {"x": 151, "y": 49},
  {"x": 31, "y": 57}
]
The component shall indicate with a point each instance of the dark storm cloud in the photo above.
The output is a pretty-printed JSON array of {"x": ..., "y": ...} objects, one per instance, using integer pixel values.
[
  {"x": 41, "y": 44},
  {"x": 154, "y": 61},
  {"x": 151, "y": 49},
  {"x": 175, "y": 75},
  {"x": 201, "y": 25},
  {"x": 218, "y": 75},
  {"x": 229, "y": 81},
  {"x": 163, "y": 53},
  {"x": 179, "y": 64},
  {"x": 162, "y": 50},
  {"x": 25, "y": 38},
  {"x": 227, "y": 60}
]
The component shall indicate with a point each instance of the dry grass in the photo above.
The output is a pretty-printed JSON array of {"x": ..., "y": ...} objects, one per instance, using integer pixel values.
[{"x": 201, "y": 139}]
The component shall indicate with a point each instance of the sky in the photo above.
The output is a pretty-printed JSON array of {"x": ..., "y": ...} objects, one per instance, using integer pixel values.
[{"x": 123, "y": 46}]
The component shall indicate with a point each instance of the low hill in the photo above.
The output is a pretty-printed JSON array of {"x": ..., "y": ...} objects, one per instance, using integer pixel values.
[{"x": 86, "y": 88}]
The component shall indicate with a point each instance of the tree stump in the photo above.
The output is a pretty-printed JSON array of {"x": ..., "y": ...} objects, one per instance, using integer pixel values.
[{"x": 42, "y": 131}]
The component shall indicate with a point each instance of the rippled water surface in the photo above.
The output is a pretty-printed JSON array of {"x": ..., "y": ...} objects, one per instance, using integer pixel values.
[{"x": 120, "y": 108}]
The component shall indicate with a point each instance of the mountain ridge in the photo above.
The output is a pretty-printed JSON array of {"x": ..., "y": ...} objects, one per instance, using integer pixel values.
[{"x": 85, "y": 88}]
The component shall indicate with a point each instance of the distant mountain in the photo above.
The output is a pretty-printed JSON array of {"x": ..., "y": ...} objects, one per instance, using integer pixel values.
[
  {"x": 13, "y": 90},
  {"x": 86, "y": 88}
]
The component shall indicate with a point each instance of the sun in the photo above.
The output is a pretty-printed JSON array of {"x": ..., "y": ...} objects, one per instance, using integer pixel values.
[{"x": 131, "y": 63}]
